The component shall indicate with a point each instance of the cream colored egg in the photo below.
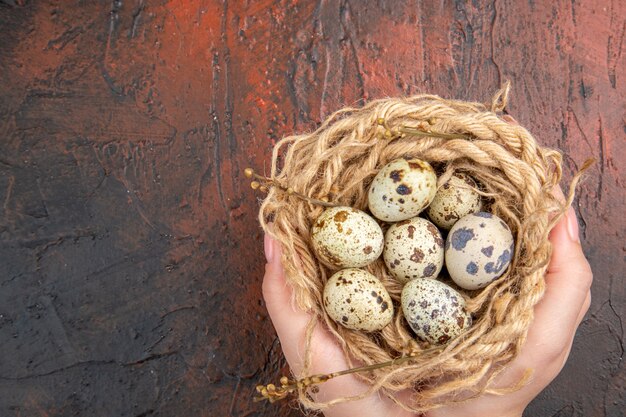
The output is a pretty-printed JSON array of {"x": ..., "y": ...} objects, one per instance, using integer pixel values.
[
  {"x": 402, "y": 189},
  {"x": 434, "y": 310},
  {"x": 453, "y": 200},
  {"x": 357, "y": 300},
  {"x": 345, "y": 237},
  {"x": 413, "y": 249},
  {"x": 479, "y": 248}
]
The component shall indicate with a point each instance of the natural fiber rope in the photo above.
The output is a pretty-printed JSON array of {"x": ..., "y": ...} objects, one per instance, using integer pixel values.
[{"x": 340, "y": 159}]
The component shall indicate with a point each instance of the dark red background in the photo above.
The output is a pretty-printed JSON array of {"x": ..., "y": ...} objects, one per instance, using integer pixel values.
[{"x": 130, "y": 255}]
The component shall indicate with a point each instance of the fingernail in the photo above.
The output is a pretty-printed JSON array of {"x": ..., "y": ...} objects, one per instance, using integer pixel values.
[
  {"x": 509, "y": 119},
  {"x": 572, "y": 225},
  {"x": 268, "y": 244}
]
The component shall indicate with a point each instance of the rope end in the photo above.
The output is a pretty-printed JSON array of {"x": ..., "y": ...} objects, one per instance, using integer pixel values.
[{"x": 501, "y": 98}]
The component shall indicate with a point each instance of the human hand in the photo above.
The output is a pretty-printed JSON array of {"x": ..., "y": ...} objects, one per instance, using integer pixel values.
[{"x": 556, "y": 318}]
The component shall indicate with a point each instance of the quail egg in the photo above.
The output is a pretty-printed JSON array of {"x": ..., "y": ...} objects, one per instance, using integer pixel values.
[
  {"x": 453, "y": 200},
  {"x": 413, "y": 249},
  {"x": 345, "y": 237},
  {"x": 434, "y": 310},
  {"x": 357, "y": 300},
  {"x": 402, "y": 189},
  {"x": 478, "y": 250}
]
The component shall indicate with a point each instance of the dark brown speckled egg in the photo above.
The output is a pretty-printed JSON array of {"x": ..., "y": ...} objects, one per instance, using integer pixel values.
[
  {"x": 413, "y": 249},
  {"x": 357, "y": 300},
  {"x": 344, "y": 237},
  {"x": 454, "y": 199},
  {"x": 402, "y": 189}
]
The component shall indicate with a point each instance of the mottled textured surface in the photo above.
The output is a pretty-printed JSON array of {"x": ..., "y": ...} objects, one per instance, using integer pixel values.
[
  {"x": 413, "y": 249},
  {"x": 344, "y": 237},
  {"x": 130, "y": 257},
  {"x": 357, "y": 300},
  {"x": 401, "y": 190},
  {"x": 435, "y": 311},
  {"x": 454, "y": 199},
  {"x": 479, "y": 249}
]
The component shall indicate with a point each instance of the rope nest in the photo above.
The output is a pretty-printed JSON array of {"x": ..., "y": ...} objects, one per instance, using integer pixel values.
[{"x": 339, "y": 160}]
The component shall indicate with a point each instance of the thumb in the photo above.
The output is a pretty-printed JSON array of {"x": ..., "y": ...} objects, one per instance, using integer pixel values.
[
  {"x": 290, "y": 322},
  {"x": 569, "y": 275},
  {"x": 565, "y": 301}
]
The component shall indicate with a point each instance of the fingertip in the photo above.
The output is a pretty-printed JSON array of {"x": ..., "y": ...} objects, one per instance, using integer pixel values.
[
  {"x": 565, "y": 241},
  {"x": 275, "y": 288},
  {"x": 572, "y": 225},
  {"x": 268, "y": 247},
  {"x": 277, "y": 292},
  {"x": 289, "y": 321},
  {"x": 509, "y": 119},
  {"x": 566, "y": 228}
]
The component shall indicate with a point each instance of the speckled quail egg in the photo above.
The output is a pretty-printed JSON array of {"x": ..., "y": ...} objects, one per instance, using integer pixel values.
[
  {"x": 402, "y": 189},
  {"x": 434, "y": 310},
  {"x": 357, "y": 300},
  {"x": 345, "y": 237},
  {"x": 453, "y": 200},
  {"x": 413, "y": 249},
  {"x": 478, "y": 250}
]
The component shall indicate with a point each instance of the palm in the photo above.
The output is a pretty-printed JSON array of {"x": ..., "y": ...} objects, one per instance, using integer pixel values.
[{"x": 557, "y": 316}]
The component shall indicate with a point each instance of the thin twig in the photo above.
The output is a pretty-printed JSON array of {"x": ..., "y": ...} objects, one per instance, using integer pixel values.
[
  {"x": 264, "y": 183},
  {"x": 272, "y": 393}
]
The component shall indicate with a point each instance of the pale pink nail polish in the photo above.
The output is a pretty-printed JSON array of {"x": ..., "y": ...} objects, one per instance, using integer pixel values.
[
  {"x": 268, "y": 244},
  {"x": 572, "y": 225}
]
